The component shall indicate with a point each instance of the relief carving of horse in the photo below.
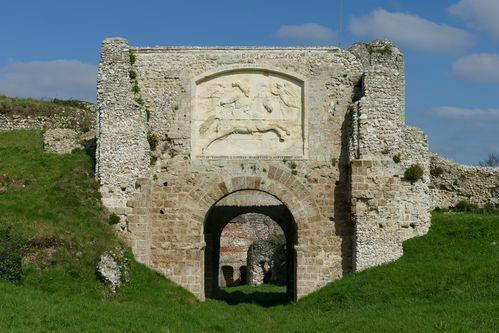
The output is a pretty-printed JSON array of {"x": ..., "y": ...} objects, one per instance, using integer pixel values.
[{"x": 219, "y": 129}]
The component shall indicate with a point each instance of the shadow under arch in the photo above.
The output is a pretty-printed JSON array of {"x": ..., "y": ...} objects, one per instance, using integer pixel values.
[{"x": 217, "y": 218}]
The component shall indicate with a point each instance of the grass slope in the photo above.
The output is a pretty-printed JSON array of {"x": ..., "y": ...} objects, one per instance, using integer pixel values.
[{"x": 446, "y": 281}]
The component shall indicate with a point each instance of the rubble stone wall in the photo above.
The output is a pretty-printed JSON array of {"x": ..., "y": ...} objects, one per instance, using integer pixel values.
[
  {"x": 452, "y": 183},
  {"x": 386, "y": 208},
  {"x": 61, "y": 141},
  {"x": 80, "y": 120},
  {"x": 266, "y": 263},
  {"x": 236, "y": 239}
]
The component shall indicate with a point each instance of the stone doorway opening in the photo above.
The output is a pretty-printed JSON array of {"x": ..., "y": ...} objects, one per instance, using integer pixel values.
[{"x": 250, "y": 237}]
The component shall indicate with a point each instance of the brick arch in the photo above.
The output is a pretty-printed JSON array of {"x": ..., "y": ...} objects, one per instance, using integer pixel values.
[
  {"x": 218, "y": 216},
  {"x": 288, "y": 190},
  {"x": 166, "y": 221},
  {"x": 278, "y": 183}
]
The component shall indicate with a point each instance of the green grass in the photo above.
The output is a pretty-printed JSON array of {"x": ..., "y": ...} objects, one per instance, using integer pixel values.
[{"x": 447, "y": 281}]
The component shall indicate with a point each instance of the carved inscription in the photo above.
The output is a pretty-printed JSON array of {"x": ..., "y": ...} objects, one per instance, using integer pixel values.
[{"x": 248, "y": 113}]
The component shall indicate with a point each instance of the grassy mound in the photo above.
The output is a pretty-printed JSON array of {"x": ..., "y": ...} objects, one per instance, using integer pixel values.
[{"x": 52, "y": 228}]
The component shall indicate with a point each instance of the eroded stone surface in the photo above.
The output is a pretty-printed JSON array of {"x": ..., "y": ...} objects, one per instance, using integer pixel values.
[
  {"x": 112, "y": 268},
  {"x": 79, "y": 119},
  {"x": 235, "y": 241},
  {"x": 452, "y": 183},
  {"x": 266, "y": 262}
]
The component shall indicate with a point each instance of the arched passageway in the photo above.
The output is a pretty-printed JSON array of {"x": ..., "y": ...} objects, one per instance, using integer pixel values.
[{"x": 236, "y": 204}]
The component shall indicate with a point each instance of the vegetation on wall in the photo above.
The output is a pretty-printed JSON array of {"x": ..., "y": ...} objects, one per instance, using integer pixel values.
[
  {"x": 57, "y": 108},
  {"x": 132, "y": 74},
  {"x": 384, "y": 50},
  {"x": 133, "y": 58},
  {"x": 114, "y": 219},
  {"x": 413, "y": 173},
  {"x": 136, "y": 89},
  {"x": 436, "y": 171},
  {"x": 153, "y": 140},
  {"x": 39, "y": 107}
]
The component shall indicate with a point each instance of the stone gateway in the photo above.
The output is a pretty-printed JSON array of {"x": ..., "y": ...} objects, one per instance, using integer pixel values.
[{"x": 190, "y": 138}]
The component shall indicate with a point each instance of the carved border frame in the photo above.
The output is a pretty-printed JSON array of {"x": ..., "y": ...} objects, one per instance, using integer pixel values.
[{"x": 252, "y": 67}]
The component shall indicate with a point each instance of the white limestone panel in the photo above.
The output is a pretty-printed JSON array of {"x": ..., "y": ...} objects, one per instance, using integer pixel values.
[{"x": 248, "y": 113}]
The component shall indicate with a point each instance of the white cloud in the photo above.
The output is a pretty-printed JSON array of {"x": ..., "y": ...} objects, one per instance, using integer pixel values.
[
  {"x": 478, "y": 67},
  {"x": 49, "y": 79},
  {"x": 308, "y": 32},
  {"x": 411, "y": 30},
  {"x": 481, "y": 13},
  {"x": 457, "y": 113}
]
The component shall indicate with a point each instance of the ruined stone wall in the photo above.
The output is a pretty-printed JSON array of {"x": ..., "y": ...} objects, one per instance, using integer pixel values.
[
  {"x": 452, "y": 183},
  {"x": 386, "y": 208},
  {"x": 122, "y": 150},
  {"x": 166, "y": 208},
  {"x": 61, "y": 141},
  {"x": 237, "y": 237},
  {"x": 266, "y": 263},
  {"x": 80, "y": 120}
]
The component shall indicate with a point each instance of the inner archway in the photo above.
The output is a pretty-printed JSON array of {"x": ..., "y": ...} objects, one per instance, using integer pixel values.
[{"x": 230, "y": 207}]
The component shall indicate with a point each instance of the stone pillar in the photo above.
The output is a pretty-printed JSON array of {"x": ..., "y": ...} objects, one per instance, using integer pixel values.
[
  {"x": 380, "y": 113},
  {"x": 386, "y": 209},
  {"x": 122, "y": 148},
  {"x": 376, "y": 211},
  {"x": 377, "y": 127}
]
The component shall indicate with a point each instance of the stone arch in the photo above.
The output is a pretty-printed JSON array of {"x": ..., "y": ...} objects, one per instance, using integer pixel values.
[
  {"x": 249, "y": 67},
  {"x": 219, "y": 216},
  {"x": 242, "y": 273},
  {"x": 277, "y": 182}
]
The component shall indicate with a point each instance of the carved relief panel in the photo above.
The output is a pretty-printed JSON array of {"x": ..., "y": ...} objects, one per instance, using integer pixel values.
[{"x": 248, "y": 113}]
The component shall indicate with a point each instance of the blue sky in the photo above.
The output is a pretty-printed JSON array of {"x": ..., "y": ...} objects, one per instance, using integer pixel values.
[{"x": 51, "y": 49}]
